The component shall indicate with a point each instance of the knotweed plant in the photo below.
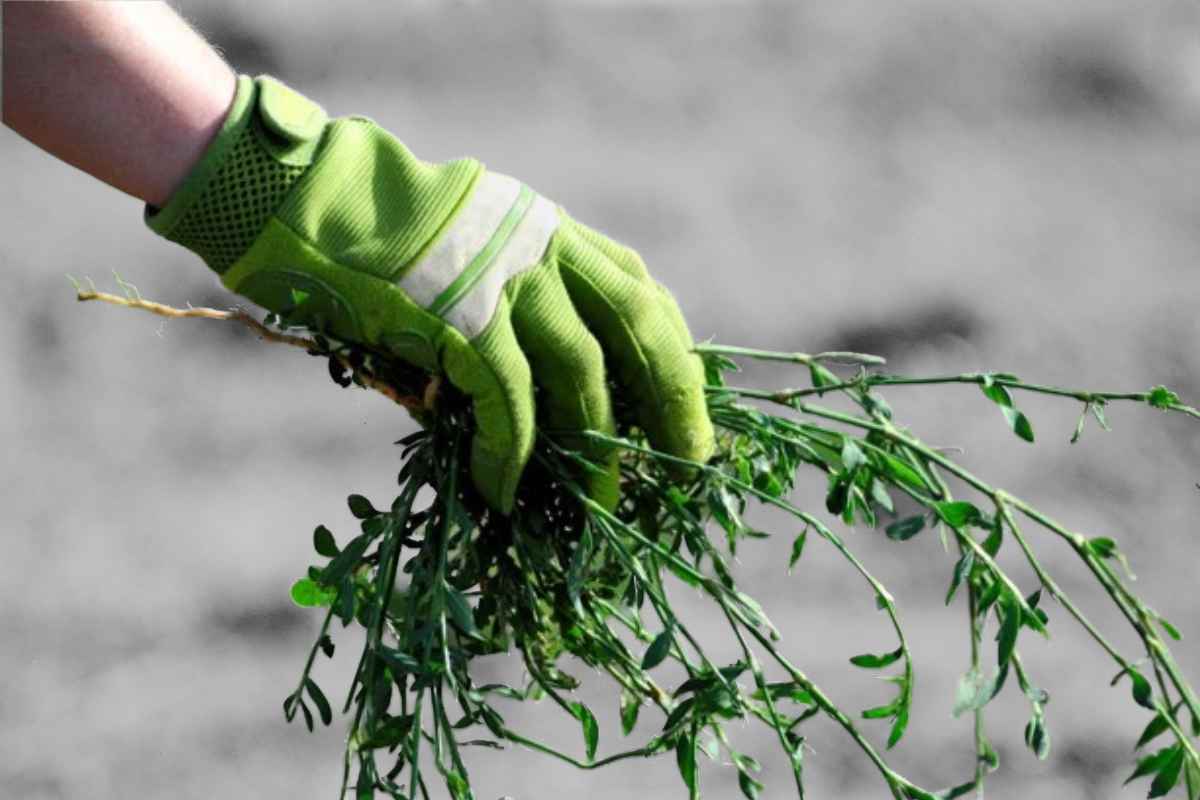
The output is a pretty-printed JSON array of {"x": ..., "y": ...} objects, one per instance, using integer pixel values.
[{"x": 580, "y": 593}]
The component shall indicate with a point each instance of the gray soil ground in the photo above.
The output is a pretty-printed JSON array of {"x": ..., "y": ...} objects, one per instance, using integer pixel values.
[{"x": 957, "y": 185}]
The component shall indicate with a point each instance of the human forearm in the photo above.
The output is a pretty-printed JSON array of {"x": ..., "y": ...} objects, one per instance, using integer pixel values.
[{"x": 125, "y": 91}]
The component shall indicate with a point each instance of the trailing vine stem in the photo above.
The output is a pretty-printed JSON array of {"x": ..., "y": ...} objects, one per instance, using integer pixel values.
[{"x": 1131, "y": 607}]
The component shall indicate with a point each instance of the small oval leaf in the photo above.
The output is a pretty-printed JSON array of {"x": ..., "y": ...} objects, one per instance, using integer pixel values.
[{"x": 656, "y": 653}]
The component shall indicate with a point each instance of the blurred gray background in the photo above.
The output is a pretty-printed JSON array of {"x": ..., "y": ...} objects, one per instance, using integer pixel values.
[{"x": 956, "y": 184}]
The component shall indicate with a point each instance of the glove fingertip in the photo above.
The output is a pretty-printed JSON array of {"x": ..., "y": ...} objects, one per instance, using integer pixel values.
[{"x": 497, "y": 483}]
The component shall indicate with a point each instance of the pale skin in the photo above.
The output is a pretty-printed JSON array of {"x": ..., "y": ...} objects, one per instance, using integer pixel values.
[{"x": 125, "y": 91}]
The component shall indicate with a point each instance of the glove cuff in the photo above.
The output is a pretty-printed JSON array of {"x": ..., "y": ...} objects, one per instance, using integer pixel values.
[{"x": 265, "y": 144}]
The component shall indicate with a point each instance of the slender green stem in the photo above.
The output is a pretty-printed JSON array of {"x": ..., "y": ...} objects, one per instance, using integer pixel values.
[
  {"x": 791, "y": 358},
  {"x": 975, "y": 632},
  {"x": 865, "y": 382},
  {"x": 1052, "y": 586},
  {"x": 308, "y": 664},
  {"x": 760, "y": 681},
  {"x": 981, "y": 744},
  {"x": 444, "y": 721},
  {"x": 533, "y": 744}
]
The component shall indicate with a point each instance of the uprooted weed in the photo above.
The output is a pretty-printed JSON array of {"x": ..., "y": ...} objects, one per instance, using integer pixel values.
[{"x": 573, "y": 590}]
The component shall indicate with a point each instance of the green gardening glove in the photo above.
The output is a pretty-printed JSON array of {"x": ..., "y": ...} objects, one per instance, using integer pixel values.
[{"x": 459, "y": 270}]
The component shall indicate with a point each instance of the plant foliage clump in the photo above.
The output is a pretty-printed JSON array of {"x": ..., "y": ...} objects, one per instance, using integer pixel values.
[{"x": 575, "y": 590}]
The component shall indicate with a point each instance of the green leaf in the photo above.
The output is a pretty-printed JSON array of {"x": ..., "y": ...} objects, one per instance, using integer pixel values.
[
  {"x": 787, "y": 690},
  {"x": 997, "y": 683},
  {"x": 457, "y": 784},
  {"x": 821, "y": 376},
  {"x": 957, "y": 513},
  {"x": 309, "y": 594},
  {"x": 898, "y": 728},
  {"x": 326, "y": 645},
  {"x": 750, "y": 787},
  {"x": 1019, "y": 423},
  {"x": 1192, "y": 774},
  {"x": 1141, "y": 691},
  {"x": 360, "y": 506},
  {"x": 903, "y": 473},
  {"x": 501, "y": 689},
  {"x": 345, "y": 601},
  {"x": 1038, "y": 619},
  {"x": 755, "y": 611},
  {"x": 1010, "y": 626},
  {"x": 1079, "y": 425},
  {"x": 989, "y": 595},
  {"x": 695, "y": 684},
  {"x": 1168, "y": 775},
  {"x": 852, "y": 456},
  {"x": 999, "y": 395},
  {"x": 685, "y": 758},
  {"x": 324, "y": 543},
  {"x": 990, "y": 757},
  {"x": 630, "y": 706},
  {"x": 400, "y": 661},
  {"x": 882, "y": 712},
  {"x": 1162, "y": 397},
  {"x": 657, "y": 652},
  {"x": 991, "y": 545},
  {"x": 308, "y": 717},
  {"x": 996, "y": 393},
  {"x": 1171, "y": 630},
  {"x": 289, "y": 705},
  {"x": 879, "y": 494},
  {"x": 678, "y": 714},
  {"x": 961, "y": 570},
  {"x": 954, "y": 792},
  {"x": 346, "y": 560},
  {"x": 1153, "y": 763},
  {"x": 905, "y": 529},
  {"x": 388, "y": 733},
  {"x": 724, "y": 510},
  {"x": 460, "y": 611},
  {"x": 364, "y": 787},
  {"x": 1103, "y": 547},
  {"x": 871, "y": 661},
  {"x": 797, "y": 549},
  {"x": 744, "y": 762},
  {"x": 591, "y": 729},
  {"x": 318, "y": 698},
  {"x": 1157, "y": 726},
  {"x": 838, "y": 495},
  {"x": 1037, "y": 738},
  {"x": 579, "y": 562}
]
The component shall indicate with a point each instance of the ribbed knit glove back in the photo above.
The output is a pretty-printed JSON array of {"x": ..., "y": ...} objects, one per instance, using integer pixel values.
[{"x": 457, "y": 269}]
